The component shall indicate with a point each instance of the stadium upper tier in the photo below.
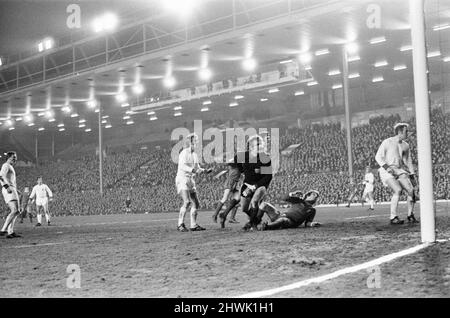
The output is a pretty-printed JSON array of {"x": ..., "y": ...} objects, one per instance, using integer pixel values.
[{"x": 152, "y": 61}]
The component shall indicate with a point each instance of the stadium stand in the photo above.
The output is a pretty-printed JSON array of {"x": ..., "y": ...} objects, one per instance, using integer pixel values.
[{"x": 148, "y": 173}]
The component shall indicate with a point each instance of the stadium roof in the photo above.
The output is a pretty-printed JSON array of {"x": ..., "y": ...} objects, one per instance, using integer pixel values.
[{"x": 219, "y": 35}]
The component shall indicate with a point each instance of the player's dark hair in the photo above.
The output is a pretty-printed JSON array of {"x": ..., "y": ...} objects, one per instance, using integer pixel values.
[
  {"x": 189, "y": 139},
  {"x": 9, "y": 154},
  {"x": 399, "y": 128}
]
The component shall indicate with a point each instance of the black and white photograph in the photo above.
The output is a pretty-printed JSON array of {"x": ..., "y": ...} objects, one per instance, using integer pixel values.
[{"x": 225, "y": 154}]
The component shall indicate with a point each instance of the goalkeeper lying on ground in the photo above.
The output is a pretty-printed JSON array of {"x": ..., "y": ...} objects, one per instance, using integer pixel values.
[{"x": 301, "y": 211}]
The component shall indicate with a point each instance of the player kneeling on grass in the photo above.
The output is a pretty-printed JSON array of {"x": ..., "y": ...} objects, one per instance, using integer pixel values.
[{"x": 301, "y": 211}]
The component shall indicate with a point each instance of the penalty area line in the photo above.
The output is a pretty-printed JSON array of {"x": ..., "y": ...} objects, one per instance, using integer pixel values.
[
  {"x": 365, "y": 217},
  {"x": 37, "y": 245},
  {"x": 114, "y": 223},
  {"x": 57, "y": 243},
  {"x": 344, "y": 271}
]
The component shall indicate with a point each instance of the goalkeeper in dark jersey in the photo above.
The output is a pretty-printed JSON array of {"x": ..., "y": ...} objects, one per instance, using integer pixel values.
[{"x": 300, "y": 212}]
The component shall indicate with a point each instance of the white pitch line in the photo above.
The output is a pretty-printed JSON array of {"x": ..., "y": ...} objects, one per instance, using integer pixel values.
[
  {"x": 365, "y": 217},
  {"x": 56, "y": 243},
  {"x": 344, "y": 271},
  {"x": 127, "y": 222},
  {"x": 142, "y": 270},
  {"x": 113, "y": 223},
  {"x": 37, "y": 245}
]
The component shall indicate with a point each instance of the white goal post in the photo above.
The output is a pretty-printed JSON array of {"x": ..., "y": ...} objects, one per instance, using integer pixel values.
[{"x": 422, "y": 107}]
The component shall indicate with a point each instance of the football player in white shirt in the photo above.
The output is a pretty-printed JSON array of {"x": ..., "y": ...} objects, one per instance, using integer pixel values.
[
  {"x": 188, "y": 166},
  {"x": 10, "y": 194},
  {"x": 43, "y": 194},
  {"x": 369, "y": 180},
  {"x": 397, "y": 171}
]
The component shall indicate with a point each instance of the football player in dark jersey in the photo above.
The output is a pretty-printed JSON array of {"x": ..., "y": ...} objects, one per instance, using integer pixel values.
[
  {"x": 25, "y": 206},
  {"x": 231, "y": 187},
  {"x": 256, "y": 166},
  {"x": 300, "y": 212}
]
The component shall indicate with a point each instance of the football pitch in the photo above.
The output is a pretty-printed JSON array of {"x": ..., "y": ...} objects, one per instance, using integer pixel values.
[{"x": 143, "y": 255}]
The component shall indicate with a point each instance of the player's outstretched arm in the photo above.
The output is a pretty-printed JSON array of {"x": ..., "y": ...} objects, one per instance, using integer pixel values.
[
  {"x": 296, "y": 193},
  {"x": 313, "y": 224},
  {"x": 197, "y": 169}
]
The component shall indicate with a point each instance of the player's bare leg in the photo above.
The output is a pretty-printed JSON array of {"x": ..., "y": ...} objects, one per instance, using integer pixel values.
[
  {"x": 406, "y": 184},
  {"x": 269, "y": 210},
  {"x": 366, "y": 198},
  {"x": 47, "y": 214},
  {"x": 194, "y": 207},
  {"x": 22, "y": 215},
  {"x": 30, "y": 214},
  {"x": 245, "y": 204},
  {"x": 231, "y": 205},
  {"x": 370, "y": 200},
  {"x": 220, "y": 204},
  {"x": 233, "y": 215},
  {"x": 250, "y": 206},
  {"x": 397, "y": 190},
  {"x": 256, "y": 214},
  {"x": 351, "y": 197},
  {"x": 39, "y": 215},
  {"x": 11, "y": 233},
  {"x": 186, "y": 202},
  {"x": 8, "y": 226},
  {"x": 276, "y": 221},
  {"x": 279, "y": 223},
  {"x": 9, "y": 218}
]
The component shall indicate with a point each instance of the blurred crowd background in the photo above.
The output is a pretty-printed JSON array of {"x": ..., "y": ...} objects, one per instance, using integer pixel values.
[{"x": 148, "y": 175}]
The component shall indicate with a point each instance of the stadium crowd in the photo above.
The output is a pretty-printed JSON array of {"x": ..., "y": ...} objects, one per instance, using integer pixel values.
[{"x": 148, "y": 176}]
